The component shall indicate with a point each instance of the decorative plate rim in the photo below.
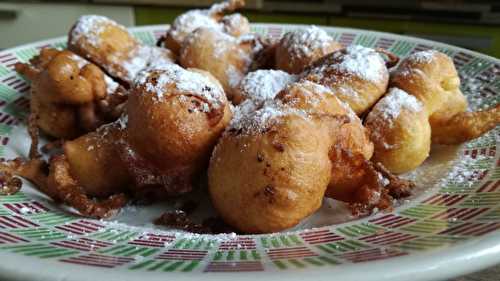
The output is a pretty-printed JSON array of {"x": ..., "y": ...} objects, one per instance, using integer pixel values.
[{"x": 457, "y": 260}]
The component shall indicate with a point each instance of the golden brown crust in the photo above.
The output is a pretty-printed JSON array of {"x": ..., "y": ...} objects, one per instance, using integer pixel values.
[
  {"x": 214, "y": 17},
  {"x": 225, "y": 57},
  {"x": 95, "y": 162},
  {"x": 55, "y": 120},
  {"x": 111, "y": 47},
  {"x": 68, "y": 190},
  {"x": 351, "y": 136},
  {"x": 57, "y": 182},
  {"x": 464, "y": 126},
  {"x": 282, "y": 168},
  {"x": 298, "y": 49},
  {"x": 402, "y": 138},
  {"x": 67, "y": 93},
  {"x": 107, "y": 45},
  {"x": 173, "y": 131},
  {"x": 432, "y": 78},
  {"x": 402, "y": 133},
  {"x": 272, "y": 187},
  {"x": 358, "y": 76}
]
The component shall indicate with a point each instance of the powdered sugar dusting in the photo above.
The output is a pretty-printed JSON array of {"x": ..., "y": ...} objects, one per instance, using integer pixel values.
[
  {"x": 81, "y": 62},
  {"x": 391, "y": 105},
  {"x": 304, "y": 42},
  {"x": 348, "y": 92},
  {"x": 250, "y": 118},
  {"x": 122, "y": 121},
  {"x": 262, "y": 85},
  {"x": 422, "y": 56},
  {"x": 142, "y": 57},
  {"x": 234, "y": 76},
  {"x": 111, "y": 85},
  {"x": 314, "y": 94},
  {"x": 90, "y": 26},
  {"x": 364, "y": 62},
  {"x": 191, "y": 20},
  {"x": 145, "y": 230},
  {"x": 356, "y": 60},
  {"x": 233, "y": 21},
  {"x": 388, "y": 109},
  {"x": 166, "y": 75}
]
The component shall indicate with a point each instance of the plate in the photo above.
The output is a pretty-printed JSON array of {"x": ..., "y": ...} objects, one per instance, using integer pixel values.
[{"x": 449, "y": 227}]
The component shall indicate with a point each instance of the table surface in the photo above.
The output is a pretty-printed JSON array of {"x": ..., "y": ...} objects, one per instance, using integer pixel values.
[{"x": 490, "y": 274}]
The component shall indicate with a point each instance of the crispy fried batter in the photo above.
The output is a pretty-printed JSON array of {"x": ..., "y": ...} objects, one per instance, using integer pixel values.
[
  {"x": 465, "y": 126},
  {"x": 9, "y": 183},
  {"x": 51, "y": 146},
  {"x": 66, "y": 188},
  {"x": 400, "y": 130},
  {"x": 69, "y": 95},
  {"x": 34, "y": 170},
  {"x": 392, "y": 59},
  {"x": 58, "y": 184},
  {"x": 34, "y": 135},
  {"x": 373, "y": 186},
  {"x": 398, "y": 187}
]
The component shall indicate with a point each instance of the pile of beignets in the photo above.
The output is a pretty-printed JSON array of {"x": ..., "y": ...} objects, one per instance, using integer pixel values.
[{"x": 277, "y": 124}]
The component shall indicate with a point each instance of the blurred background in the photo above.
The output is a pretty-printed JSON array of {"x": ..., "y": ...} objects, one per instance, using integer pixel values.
[{"x": 468, "y": 23}]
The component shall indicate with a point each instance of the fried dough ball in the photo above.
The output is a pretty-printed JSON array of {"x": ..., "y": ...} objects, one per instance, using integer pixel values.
[
  {"x": 69, "y": 95},
  {"x": 110, "y": 46},
  {"x": 427, "y": 106},
  {"x": 55, "y": 120},
  {"x": 307, "y": 95},
  {"x": 357, "y": 75},
  {"x": 400, "y": 130},
  {"x": 271, "y": 168},
  {"x": 226, "y": 57},
  {"x": 185, "y": 24},
  {"x": 282, "y": 156},
  {"x": 262, "y": 85},
  {"x": 354, "y": 179},
  {"x": 299, "y": 48},
  {"x": 94, "y": 162},
  {"x": 351, "y": 136},
  {"x": 88, "y": 176},
  {"x": 175, "y": 117},
  {"x": 431, "y": 77}
]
